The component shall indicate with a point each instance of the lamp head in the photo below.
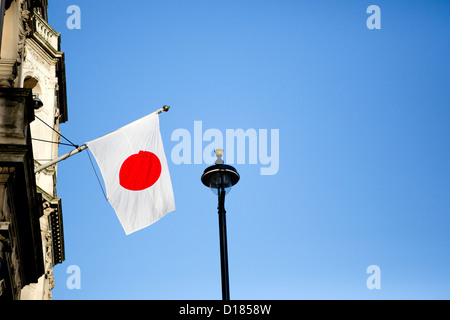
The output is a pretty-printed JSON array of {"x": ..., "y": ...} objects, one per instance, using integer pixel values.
[
  {"x": 37, "y": 102},
  {"x": 220, "y": 177}
]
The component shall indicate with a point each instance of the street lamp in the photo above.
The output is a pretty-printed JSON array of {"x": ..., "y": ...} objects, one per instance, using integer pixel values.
[{"x": 220, "y": 178}]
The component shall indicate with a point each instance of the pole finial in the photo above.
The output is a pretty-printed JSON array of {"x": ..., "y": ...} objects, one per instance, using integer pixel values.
[
  {"x": 164, "y": 108},
  {"x": 219, "y": 154}
]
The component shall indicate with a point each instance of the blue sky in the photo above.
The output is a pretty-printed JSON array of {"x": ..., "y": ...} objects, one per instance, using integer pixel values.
[{"x": 364, "y": 171}]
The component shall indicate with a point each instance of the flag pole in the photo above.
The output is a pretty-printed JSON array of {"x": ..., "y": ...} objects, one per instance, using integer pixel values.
[
  {"x": 65, "y": 156},
  {"x": 81, "y": 148}
]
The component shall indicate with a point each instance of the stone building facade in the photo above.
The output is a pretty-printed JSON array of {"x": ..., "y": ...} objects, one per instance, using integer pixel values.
[{"x": 33, "y": 104}]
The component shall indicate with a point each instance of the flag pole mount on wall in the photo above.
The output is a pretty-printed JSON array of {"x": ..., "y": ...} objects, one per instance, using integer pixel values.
[{"x": 81, "y": 148}]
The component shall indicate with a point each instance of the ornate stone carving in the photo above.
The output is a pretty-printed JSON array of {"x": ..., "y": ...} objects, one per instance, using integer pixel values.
[{"x": 24, "y": 30}]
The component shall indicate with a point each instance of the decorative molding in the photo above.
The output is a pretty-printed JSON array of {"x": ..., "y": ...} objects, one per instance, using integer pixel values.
[{"x": 37, "y": 66}]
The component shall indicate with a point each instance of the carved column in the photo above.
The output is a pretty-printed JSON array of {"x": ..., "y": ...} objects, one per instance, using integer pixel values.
[{"x": 15, "y": 29}]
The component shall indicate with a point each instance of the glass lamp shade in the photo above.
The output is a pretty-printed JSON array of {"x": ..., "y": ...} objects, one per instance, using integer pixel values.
[
  {"x": 220, "y": 176},
  {"x": 220, "y": 181}
]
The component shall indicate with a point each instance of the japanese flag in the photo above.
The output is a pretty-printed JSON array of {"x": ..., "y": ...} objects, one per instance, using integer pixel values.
[{"x": 134, "y": 169}]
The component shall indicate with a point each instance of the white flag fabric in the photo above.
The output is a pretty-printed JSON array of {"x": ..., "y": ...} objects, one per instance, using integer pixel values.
[{"x": 134, "y": 168}]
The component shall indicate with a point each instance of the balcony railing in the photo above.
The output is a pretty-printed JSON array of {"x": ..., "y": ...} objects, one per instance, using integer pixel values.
[{"x": 44, "y": 32}]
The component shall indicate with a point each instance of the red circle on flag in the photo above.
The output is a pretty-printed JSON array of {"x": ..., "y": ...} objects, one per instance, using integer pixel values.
[{"x": 140, "y": 171}]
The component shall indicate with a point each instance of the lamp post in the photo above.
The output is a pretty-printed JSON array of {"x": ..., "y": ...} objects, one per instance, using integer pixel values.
[{"x": 220, "y": 178}]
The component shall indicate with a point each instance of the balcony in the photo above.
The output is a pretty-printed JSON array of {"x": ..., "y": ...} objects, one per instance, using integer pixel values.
[{"x": 44, "y": 33}]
